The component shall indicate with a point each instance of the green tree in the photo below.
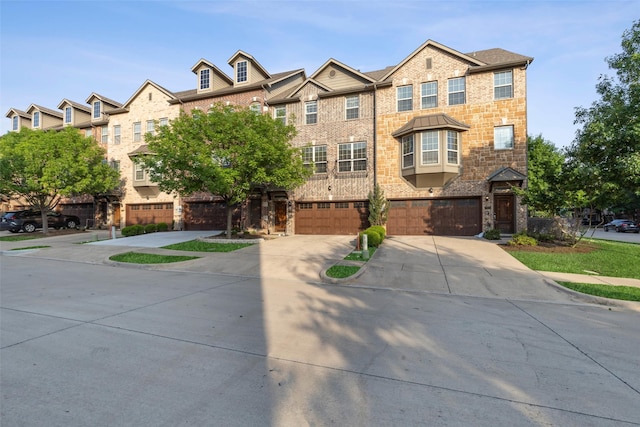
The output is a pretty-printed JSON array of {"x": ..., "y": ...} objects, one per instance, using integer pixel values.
[
  {"x": 543, "y": 194},
  {"x": 44, "y": 166},
  {"x": 378, "y": 206},
  {"x": 227, "y": 151},
  {"x": 609, "y": 138}
]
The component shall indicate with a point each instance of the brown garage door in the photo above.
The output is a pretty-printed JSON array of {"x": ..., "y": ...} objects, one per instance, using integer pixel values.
[
  {"x": 208, "y": 216},
  {"x": 150, "y": 213},
  {"x": 331, "y": 217},
  {"x": 444, "y": 217},
  {"x": 84, "y": 211}
]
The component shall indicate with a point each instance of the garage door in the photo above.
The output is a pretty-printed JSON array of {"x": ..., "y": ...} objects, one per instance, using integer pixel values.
[
  {"x": 444, "y": 217},
  {"x": 150, "y": 213},
  {"x": 84, "y": 211},
  {"x": 208, "y": 216},
  {"x": 331, "y": 217}
]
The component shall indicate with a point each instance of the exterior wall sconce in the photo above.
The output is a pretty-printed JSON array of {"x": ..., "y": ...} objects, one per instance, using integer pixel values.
[
  {"x": 486, "y": 198},
  {"x": 430, "y": 190},
  {"x": 329, "y": 188}
]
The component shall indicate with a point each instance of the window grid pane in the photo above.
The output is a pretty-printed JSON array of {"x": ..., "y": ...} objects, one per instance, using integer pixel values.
[
  {"x": 407, "y": 151},
  {"x": 457, "y": 91},
  {"x": 429, "y": 95},
  {"x": 204, "y": 79},
  {"x": 116, "y": 134},
  {"x": 405, "y": 98},
  {"x": 67, "y": 115},
  {"x": 352, "y": 157},
  {"x": 503, "y": 85},
  {"x": 430, "y": 147},
  {"x": 242, "y": 71},
  {"x": 452, "y": 147},
  {"x": 503, "y": 138},
  {"x": 281, "y": 114},
  {"x": 311, "y": 111},
  {"x": 104, "y": 131},
  {"x": 353, "y": 107},
  {"x": 96, "y": 109},
  {"x": 136, "y": 131}
]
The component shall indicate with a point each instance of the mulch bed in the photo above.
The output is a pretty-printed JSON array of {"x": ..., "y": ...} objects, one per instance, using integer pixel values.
[{"x": 554, "y": 247}]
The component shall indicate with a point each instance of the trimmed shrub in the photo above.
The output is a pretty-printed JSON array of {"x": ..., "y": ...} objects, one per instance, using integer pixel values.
[
  {"x": 380, "y": 230},
  {"x": 127, "y": 231},
  {"x": 162, "y": 226},
  {"x": 150, "y": 228},
  {"x": 522, "y": 239},
  {"x": 373, "y": 237},
  {"x": 492, "y": 234},
  {"x": 137, "y": 229}
]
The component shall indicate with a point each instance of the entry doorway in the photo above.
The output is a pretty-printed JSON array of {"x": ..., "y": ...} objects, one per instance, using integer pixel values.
[
  {"x": 280, "y": 223},
  {"x": 504, "y": 211}
]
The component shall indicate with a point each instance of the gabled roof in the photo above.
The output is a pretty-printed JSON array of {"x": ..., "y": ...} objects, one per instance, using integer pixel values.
[
  {"x": 432, "y": 121},
  {"x": 217, "y": 70},
  {"x": 498, "y": 58},
  {"x": 339, "y": 64},
  {"x": 15, "y": 111},
  {"x": 504, "y": 174},
  {"x": 104, "y": 99},
  {"x": 305, "y": 83},
  {"x": 145, "y": 84},
  {"x": 254, "y": 62},
  {"x": 74, "y": 105},
  {"x": 143, "y": 149},
  {"x": 471, "y": 60},
  {"x": 44, "y": 110}
]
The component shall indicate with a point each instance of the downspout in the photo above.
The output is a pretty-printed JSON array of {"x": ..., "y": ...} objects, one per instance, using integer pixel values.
[{"x": 375, "y": 137}]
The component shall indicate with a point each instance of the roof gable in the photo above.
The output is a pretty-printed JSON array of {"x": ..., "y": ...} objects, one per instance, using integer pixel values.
[
  {"x": 65, "y": 102},
  {"x": 103, "y": 99},
  {"x": 306, "y": 84},
  {"x": 166, "y": 92},
  {"x": 44, "y": 110},
  {"x": 203, "y": 63},
  {"x": 15, "y": 112},
  {"x": 255, "y": 71}
]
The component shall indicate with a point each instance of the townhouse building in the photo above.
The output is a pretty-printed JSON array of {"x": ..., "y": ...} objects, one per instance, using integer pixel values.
[{"x": 442, "y": 132}]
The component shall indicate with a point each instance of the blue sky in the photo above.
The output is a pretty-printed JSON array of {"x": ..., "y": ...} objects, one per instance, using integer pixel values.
[{"x": 51, "y": 50}]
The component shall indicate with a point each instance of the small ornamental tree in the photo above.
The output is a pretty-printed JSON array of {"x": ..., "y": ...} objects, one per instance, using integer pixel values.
[
  {"x": 228, "y": 151},
  {"x": 378, "y": 206},
  {"x": 44, "y": 166}
]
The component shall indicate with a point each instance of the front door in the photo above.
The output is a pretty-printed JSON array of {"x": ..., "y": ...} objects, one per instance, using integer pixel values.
[
  {"x": 280, "y": 216},
  {"x": 504, "y": 213}
]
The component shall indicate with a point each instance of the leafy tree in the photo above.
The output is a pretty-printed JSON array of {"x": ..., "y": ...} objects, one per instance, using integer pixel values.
[
  {"x": 227, "y": 151},
  {"x": 378, "y": 206},
  {"x": 543, "y": 194},
  {"x": 44, "y": 166},
  {"x": 609, "y": 140}
]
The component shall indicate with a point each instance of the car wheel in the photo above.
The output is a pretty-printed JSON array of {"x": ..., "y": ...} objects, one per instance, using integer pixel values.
[
  {"x": 29, "y": 227},
  {"x": 71, "y": 224}
]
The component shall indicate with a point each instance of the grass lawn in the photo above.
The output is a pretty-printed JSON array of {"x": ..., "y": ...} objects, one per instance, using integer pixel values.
[
  {"x": 627, "y": 293},
  {"x": 142, "y": 258},
  {"x": 342, "y": 271},
  {"x": 19, "y": 238},
  {"x": 200, "y": 246},
  {"x": 592, "y": 256},
  {"x": 357, "y": 255},
  {"x": 30, "y": 247}
]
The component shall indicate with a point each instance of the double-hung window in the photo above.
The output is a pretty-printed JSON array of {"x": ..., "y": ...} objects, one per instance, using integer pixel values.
[
  {"x": 67, "y": 115},
  {"x": 503, "y": 85},
  {"x": 205, "y": 79},
  {"x": 116, "y": 134},
  {"x": 14, "y": 123},
  {"x": 255, "y": 107},
  {"x": 137, "y": 132},
  {"x": 311, "y": 112},
  {"x": 352, "y": 157},
  {"x": 352, "y": 107},
  {"x": 241, "y": 71},
  {"x": 457, "y": 91},
  {"x": 139, "y": 172},
  {"x": 96, "y": 109},
  {"x": 151, "y": 127},
  {"x": 280, "y": 113},
  {"x": 36, "y": 119},
  {"x": 407, "y": 151},
  {"x": 452, "y": 147},
  {"x": 503, "y": 137},
  {"x": 104, "y": 134},
  {"x": 429, "y": 95},
  {"x": 315, "y": 157},
  {"x": 430, "y": 147},
  {"x": 405, "y": 98},
  {"x": 164, "y": 121}
]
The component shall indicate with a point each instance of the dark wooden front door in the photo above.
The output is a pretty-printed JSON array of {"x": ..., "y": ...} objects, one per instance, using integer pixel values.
[
  {"x": 280, "y": 216},
  {"x": 504, "y": 212}
]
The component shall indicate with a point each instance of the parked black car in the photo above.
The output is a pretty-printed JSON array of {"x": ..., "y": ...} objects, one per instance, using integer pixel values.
[
  {"x": 627, "y": 226},
  {"x": 612, "y": 225},
  {"x": 29, "y": 220}
]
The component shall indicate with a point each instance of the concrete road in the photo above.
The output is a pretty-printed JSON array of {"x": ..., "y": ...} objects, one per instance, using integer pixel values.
[
  {"x": 612, "y": 235},
  {"x": 85, "y": 344}
]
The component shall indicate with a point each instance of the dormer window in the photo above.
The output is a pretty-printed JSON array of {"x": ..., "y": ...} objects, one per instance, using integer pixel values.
[
  {"x": 67, "y": 115},
  {"x": 36, "y": 119},
  {"x": 14, "y": 123},
  {"x": 96, "y": 109},
  {"x": 205, "y": 79},
  {"x": 241, "y": 72}
]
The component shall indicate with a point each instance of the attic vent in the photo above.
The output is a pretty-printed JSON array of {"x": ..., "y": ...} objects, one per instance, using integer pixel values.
[
  {"x": 332, "y": 74},
  {"x": 150, "y": 96},
  {"x": 429, "y": 63}
]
